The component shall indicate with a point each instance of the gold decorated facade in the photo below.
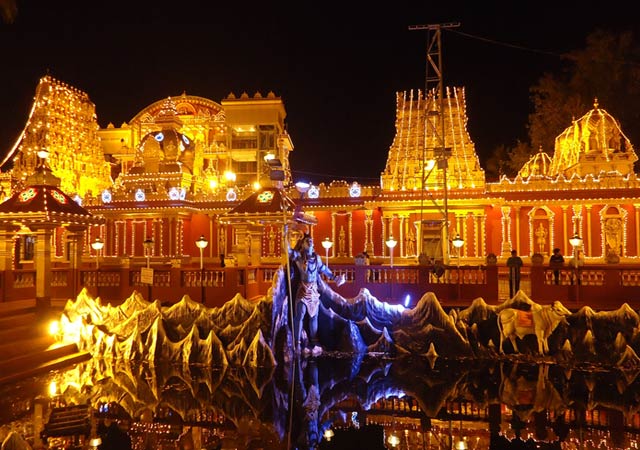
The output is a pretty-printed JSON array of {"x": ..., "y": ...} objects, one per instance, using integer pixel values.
[
  {"x": 63, "y": 122},
  {"x": 424, "y": 140},
  {"x": 174, "y": 171}
]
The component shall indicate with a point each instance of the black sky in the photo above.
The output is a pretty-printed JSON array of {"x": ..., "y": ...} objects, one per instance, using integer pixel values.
[{"x": 337, "y": 66}]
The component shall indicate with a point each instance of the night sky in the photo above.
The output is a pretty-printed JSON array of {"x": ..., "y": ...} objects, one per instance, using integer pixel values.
[{"x": 337, "y": 66}]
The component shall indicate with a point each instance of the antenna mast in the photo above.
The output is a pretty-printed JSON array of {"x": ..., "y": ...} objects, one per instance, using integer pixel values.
[{"x": 441, "y": 153}]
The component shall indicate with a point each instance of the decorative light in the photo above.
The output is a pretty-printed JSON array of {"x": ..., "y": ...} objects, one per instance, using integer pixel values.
[
  {"x": 430, "y": 164},
  {"x": 140, "y": 195},
  {"x": 106, "y": 196},
  {"x": 265, "y": 197},
  {"x": 159, "y": 137},
  {"x": 174, "y": 194},
  {"x": 457, "y": 241},
  {"x": 269, "y": 156},
  {"x": 57, "y": 195},
  {"x": 355, "y": 190},
  {"x": 183, "y": 193},
  {"x": 231, "y": 195},
  {"x": 256, "y": 185},
  {"x": 43, "y": 153},
  {"x": 313, "y": 192},
  {"x": 230, "y": 176},
  {"x": 77, "y": 199}
]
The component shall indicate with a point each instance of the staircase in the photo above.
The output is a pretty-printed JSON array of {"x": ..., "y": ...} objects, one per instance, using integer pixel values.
[
  {"x": 26, "y": 348},
  {"x": 68, "y": 421}
]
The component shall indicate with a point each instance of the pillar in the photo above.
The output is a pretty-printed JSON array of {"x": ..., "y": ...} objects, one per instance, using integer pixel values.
[
  {"x": 43, "y": 266},
  {"x": 7, "y": 248},
  {"x": 75, "y": 236},
  {"x": 506, "y": 231}
]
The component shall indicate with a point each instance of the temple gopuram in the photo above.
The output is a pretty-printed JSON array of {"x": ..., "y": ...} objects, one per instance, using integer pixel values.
[{"x": 180, "y": 168}]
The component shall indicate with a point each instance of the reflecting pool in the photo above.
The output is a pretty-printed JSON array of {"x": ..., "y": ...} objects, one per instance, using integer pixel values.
[{"x": 329, "y": 402}]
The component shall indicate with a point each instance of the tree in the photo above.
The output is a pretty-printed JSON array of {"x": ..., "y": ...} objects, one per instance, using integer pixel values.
[
  {"x": 607, "y": 69},
  {"x": 507, "y": 160}
]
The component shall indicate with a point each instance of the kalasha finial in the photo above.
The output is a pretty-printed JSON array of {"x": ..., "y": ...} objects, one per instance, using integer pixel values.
[{"x": 595, "y": 103}]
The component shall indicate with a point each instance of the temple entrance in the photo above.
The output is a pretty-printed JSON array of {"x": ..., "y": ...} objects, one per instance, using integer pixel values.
[{"x": 431, "y": 237}]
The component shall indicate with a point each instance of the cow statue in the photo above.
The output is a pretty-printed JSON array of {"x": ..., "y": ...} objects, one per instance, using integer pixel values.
[{"x": 541, "y": 321}]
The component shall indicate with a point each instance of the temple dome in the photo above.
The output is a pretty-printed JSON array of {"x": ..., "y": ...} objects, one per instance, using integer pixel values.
[
  {"x": 592, "y": 145},
  {"x": 537, "y": 166},
  {"x": 168, "y": 150}
]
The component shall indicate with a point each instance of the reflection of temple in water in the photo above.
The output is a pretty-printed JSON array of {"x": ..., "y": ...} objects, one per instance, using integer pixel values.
[{"x": 494, "y": 405}]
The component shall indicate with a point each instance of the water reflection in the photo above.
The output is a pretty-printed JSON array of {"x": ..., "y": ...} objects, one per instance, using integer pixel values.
[{"x": 330, "y": 402}]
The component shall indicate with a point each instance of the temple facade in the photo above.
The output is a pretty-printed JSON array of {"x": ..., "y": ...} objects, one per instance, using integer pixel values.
[{"x": 179, "y": 169}]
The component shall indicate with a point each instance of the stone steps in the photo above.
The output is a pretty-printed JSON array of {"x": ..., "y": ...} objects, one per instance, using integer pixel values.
[
  {"x": 68, "y": 421},
  {"x": 26, "y": 348}
]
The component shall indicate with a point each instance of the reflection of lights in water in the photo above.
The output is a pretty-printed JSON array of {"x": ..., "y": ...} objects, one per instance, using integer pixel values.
[
  {"x": 462, "y": 444},
  {"x": 54, "y": 328},
  {"x": 53, "y": 389},
  {"x": 328, "y": 434},
  {"x": 393, "y": 440},
  {"x": 354, "y": 420}
]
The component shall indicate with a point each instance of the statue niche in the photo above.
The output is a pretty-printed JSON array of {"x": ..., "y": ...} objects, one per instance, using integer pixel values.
[{"x": 613, "y": 237}]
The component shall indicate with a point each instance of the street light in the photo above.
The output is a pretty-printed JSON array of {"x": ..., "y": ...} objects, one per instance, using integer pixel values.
[
  {"x": 458, "y": 242},
  {"x": 148, "y": 248},
  {"x": 97, "y": 246},
  {"x": 327, "y": 244},
  {"x": 576, "y": 243},
  {"x": 202, "y": 243},
  {"x": 391, "y": 243}
]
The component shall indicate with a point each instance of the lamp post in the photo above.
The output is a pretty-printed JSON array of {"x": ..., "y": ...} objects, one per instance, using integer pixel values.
[
  {"x": 202, "y": 243},
  {"x": 148, "y": 247},
  {"x": 576, "y": 243},
  {"x": 458, "y": 242},
  {"x": 97, "y": 246},
  {"x": 391, "y": 243},
  {"x": 327, "y": 244}
]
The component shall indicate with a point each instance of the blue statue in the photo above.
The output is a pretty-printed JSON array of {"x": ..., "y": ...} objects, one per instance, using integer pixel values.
[{"x": 306, "y": 286}]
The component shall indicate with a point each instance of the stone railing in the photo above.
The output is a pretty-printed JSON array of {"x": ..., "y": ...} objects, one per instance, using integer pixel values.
[{"x": 603, "y": 287}]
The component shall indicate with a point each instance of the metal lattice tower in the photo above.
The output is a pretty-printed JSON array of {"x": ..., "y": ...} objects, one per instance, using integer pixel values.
[{"x": 434, "y": 81}]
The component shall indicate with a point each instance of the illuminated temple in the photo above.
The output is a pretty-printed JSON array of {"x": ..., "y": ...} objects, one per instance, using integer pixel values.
[{"x": 180, "y": 168}]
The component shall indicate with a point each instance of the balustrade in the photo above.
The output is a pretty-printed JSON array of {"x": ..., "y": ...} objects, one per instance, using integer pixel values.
[{"x": 604, "y": 286}]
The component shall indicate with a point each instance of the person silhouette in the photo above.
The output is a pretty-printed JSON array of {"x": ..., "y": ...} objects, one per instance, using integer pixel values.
[
  {"x": 514, "y": 263},
  {"x": 556, "y": 261}
]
